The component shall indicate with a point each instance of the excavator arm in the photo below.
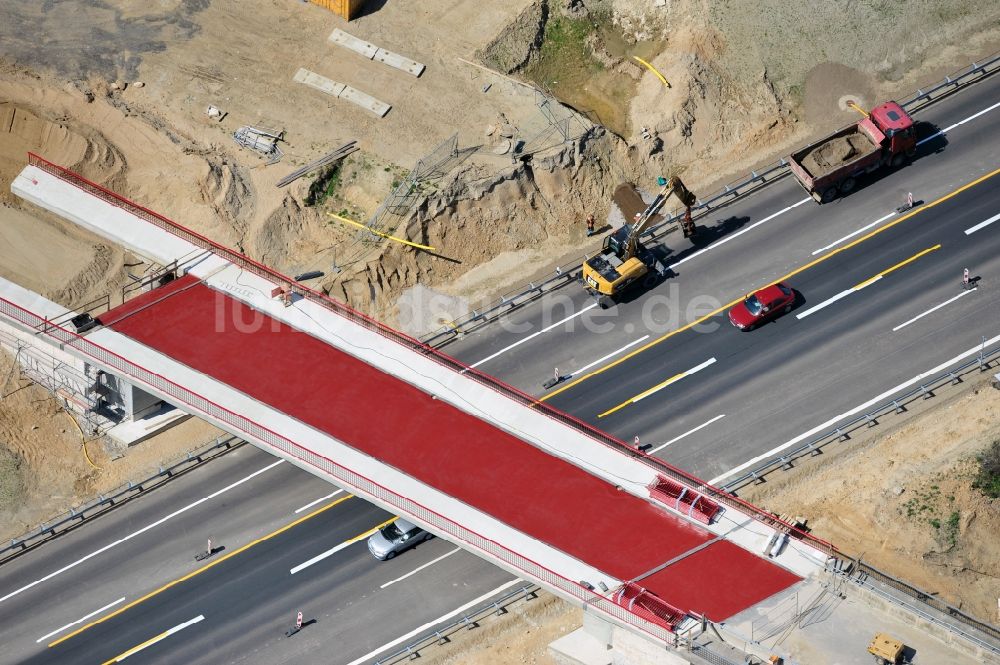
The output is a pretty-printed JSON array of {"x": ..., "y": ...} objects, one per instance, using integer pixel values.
[{"x": 673, "y": 187}]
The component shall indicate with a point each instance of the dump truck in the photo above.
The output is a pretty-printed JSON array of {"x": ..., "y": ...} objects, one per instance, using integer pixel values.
[
  {"x": 831, "y": 166},
  {"x": 887, "y": 650},
  {"x": 623, "y": 259}
]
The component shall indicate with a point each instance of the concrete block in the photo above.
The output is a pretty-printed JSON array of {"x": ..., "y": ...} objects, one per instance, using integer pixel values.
[
  {"x": 348, "y": 41},
  {"x": 399, "y": 62},
  {"x": 321, "y": 83},
  {"x": 366, "y": 101},
  {"x": 579, "y": 648}
]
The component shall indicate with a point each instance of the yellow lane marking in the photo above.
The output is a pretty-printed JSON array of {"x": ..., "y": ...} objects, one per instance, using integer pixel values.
[
  {"x": 631, "y": 400},
  {"x": 652, "y": 69},
  {"x": 381, "y": 233},
  {"x": 199, "y": 571},
  {"x": 659, "y": 386},
  {"x": 153, "y": 640},
  {"x": 333, "y": 550},
  {"x": 803, "y": 268},
  {"x": 899, "y": 265}
]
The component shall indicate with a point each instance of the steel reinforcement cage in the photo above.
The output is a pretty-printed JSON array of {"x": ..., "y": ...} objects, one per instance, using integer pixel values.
[{"x": 256, "y": 268}]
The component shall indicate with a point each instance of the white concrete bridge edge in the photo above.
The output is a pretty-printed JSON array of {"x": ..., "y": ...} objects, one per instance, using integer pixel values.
[
  {"x": 634, "y": 476},
  {"x": 323, "y": 445}
]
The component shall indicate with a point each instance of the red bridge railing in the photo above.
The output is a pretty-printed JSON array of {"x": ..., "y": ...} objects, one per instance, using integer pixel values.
[{"x": 254, "y": 267}]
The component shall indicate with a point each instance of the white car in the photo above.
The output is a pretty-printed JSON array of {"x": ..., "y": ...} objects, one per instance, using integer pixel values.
[{"x": 395, "y": 537}]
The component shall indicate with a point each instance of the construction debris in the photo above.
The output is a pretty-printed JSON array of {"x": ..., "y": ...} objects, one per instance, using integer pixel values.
[
  {"x": 328, "y": 158},
  {"x": 264, "y": 141}
]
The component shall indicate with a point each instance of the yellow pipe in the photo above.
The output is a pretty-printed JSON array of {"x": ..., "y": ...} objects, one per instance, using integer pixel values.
[
  {"x": 380, "y": 233},
  {"x": 858, "y": 109},
  {"x": 652, "y": 69},
  {"x": 83, "y": 440}
]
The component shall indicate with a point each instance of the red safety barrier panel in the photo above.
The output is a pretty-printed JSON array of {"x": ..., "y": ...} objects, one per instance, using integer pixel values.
[
  {"x": 649, "y": 606},
  {"x": 684, "y": 499}
]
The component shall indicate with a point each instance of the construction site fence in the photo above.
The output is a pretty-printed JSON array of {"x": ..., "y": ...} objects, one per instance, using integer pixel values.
[
  {"x": 248, "y": 264},
  {"x": 105, "y": 502},
  {"x": 570, "y": 272},
  {"x": 863, "y": 573},
  {"x": 346, "y": 478}
]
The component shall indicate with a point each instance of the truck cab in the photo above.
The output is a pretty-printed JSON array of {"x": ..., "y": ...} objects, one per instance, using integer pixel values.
[{"x": 897, "y": 126}]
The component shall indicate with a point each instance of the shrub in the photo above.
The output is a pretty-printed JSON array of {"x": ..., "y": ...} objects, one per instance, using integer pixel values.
[{"x": 987, "y": 478}]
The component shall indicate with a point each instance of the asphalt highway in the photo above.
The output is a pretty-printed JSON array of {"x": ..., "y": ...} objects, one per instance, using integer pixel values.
[
  {"x": 755, "y": 391},
  {"x": 133, "y": 571},
  {"x": 139, "y": 561}
]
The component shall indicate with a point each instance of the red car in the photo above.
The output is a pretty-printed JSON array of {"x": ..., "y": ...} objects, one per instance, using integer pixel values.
[{"x": 762, "y": 306}]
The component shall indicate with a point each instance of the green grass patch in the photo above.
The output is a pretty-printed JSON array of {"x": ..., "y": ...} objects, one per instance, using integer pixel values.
[
  {"x": 324, "y": 186},
  {"x": 987, "y": 479}
]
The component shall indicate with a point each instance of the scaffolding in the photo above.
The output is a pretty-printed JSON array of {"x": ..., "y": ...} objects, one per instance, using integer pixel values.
[{"x": 83, "y": 393}]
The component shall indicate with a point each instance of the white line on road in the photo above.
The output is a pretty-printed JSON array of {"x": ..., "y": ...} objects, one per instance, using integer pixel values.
[
  {"x": 673, "y": 379},
  {"x": 430, "y": 624},
  {"x": 960, "y": 122},
  {"x": 825, "y": 303},
  {"x": 851, "y": 235},
  {"x": 933, "y": 309},
  {"x": 418, "y": 569},
  {"x": 740, "y": 232},
  {"x": 856, "y": 410},
  {"x": 162, "y": 636},
  {"x": 80, "y": 620},
  {"x": 972, "y": 229},
  {"x": 610, "y": 355},
  {"x": 333, "y": 550},
  {"x": 313, "y": 503},
  {"x": 690, "y": 431},
  {"x": 533, "y": 335},
  {"x": 136, "y": 533}
]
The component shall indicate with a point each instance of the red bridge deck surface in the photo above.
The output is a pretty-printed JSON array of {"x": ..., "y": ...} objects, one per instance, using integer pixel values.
[{"x": 448, "y": 449}]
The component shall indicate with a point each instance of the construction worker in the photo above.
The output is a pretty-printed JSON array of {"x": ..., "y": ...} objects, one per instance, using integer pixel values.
[{"x": 590, "y": 225}]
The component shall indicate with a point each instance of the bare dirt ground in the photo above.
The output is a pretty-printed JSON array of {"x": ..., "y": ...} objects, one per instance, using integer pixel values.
[
  {"x": 44, "y": 469},
  {"x": 747, "y": 82},
  {"x": 904, "y": 501},
  {"x": 517, "y": 638}
]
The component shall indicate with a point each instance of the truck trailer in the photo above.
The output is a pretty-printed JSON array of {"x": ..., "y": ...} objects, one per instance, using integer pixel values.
[{"x": 831, "y": 166}]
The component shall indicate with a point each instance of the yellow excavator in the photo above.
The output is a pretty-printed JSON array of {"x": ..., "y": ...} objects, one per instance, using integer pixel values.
[{"x": 623, "y": 260}]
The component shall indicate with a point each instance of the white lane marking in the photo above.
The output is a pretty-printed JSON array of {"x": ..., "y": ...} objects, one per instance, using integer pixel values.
[
  {"x": 533, "y": 335},
  {"x": 80, "y": 620},
  {"x": 675, "y": 379},
  {"x": 418, "y": 569},
  {"x": 972, "y": 229},
  {"x": 162, "y": 636},
  {"x": 825, "y": 303},
  {"x": 933, "y": 309},
  {"x": 690, "y": 431},
  {"x": 333, "y": 550},
  {"x": 960, "y": 122},
  {"x": 322, "y": 498},
  {"x": 241, "y": 481},
  {"x": 741, "y": 232},
  {"x": 856, "y": 410},
  {"x": 610, "y": 355},
  {"x": 851, "y": 235},
  {"x": 135, "y": 533},
  {"x": 430, "y": 624}
]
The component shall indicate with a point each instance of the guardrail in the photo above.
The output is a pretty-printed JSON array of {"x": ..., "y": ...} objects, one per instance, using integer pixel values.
[
  {"x": 728, "y": 194},
  {"x": 354, "y": 482},
  {"x": 248, "y": 264},
  {"x": 106, "y": 502},
  {"x": 868, "y": 419},
  {"x": 441, "y": 634},
  {"x": 863, "y": 571}
]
